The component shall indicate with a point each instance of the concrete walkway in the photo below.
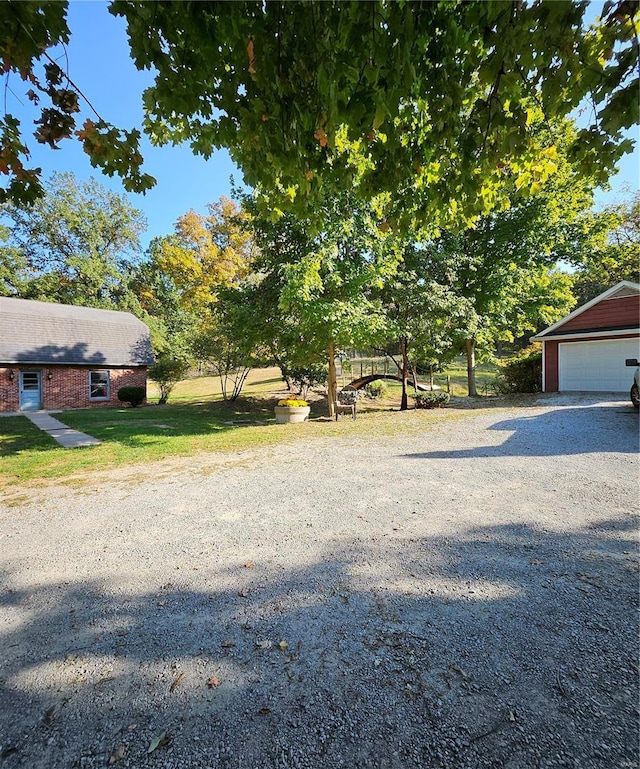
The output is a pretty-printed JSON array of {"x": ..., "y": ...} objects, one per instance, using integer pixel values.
[{"x": 66, "y": 436}]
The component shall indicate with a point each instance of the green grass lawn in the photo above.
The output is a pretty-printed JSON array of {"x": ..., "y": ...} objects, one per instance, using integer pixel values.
[{"x": 196, "y": 420}]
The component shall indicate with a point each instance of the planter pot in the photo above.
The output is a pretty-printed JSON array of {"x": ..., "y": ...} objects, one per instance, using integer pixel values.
[{"x": 285, "y": 414}]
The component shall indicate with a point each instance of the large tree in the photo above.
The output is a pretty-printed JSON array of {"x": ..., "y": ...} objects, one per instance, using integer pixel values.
[
  {"x": 75, "y": 245},
  {"x": 315, "y": 291},
  {"x": 504, "y": 287},
  {"x": 612, "y": 251},
  {"x": 179, "y": 282},
  {"x": 204, "y": 254},
  {"x": 311, "y": 98},
  {"x": 423, "y": 318}
]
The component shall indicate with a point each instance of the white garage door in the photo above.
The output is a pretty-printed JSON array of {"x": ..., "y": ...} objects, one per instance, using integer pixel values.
[{"x": 597, "y": 366}]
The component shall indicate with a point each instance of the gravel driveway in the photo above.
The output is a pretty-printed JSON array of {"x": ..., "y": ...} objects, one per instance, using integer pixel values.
[{"x": 462, "y": 597}]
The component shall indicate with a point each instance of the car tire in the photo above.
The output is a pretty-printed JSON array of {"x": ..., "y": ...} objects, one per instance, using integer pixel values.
[{"x": 635, "y": 396}]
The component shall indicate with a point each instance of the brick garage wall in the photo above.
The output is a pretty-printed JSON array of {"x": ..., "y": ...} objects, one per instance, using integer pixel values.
[{"x": 68, "y": 387}]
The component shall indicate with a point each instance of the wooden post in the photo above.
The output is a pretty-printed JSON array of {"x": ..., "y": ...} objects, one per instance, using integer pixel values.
[
  {"x": 448, "y": 384},
  {"x": 361, "y": 369},
  {"x": 332, "y": 384}
]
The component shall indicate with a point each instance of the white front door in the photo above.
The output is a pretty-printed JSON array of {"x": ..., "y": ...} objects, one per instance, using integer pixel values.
[{"x": 30, "y": 390}]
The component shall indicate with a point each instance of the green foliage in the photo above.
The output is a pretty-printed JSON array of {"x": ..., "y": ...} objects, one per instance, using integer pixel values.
[
  {"x": 14, "y": 268},
  {"x": 78, "y": 244},
  {"x": 167, "y": 372},
  {"x": 522, "y": 373},
  {"x": 304, "y": 378},
  {"x": 228, "y": 341},
  {"x": 134, "y": 396},
  {"x": 432, "y": 400},
  {"x": 611, "y": 251},
  {"x": 384, "y": 97},
  {"x": 316, "y": 289},
  {"x": 377, "y": 389},
  {"x": 316, "y": 98}
]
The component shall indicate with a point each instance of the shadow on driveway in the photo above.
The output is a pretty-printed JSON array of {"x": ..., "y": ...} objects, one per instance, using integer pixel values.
[
  {"x": 492, "y": 649},
  {"x": 610, "y": 428}
]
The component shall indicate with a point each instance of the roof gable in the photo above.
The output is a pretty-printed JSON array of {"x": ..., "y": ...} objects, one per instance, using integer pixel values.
[
  {"x": 47, "y": 333},
  {"x": 598, "y": 314}
]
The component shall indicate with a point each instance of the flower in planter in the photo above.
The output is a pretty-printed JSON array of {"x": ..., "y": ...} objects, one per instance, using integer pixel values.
[{"x": 293, "y": 402}]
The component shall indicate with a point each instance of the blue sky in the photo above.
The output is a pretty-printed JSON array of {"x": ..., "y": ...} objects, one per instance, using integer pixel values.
[{"x": 100, "y": 65}]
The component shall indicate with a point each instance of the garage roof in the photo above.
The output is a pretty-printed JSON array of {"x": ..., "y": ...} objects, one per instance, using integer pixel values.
[
  {"x": 618, "y": 319},
  {"x": 47, "y": 333}
]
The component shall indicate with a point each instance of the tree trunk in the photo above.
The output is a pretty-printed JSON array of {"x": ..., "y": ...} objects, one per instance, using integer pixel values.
[
  {"x": 470, "y": 346},
  {"x": 332, "y": 383},
  {"x": 404, "y": 405},
  {"x": 414, "y": 378}
]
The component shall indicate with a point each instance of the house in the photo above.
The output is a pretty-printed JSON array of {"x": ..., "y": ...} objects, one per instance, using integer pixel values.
[
  {"x": 56, "y": 356},
  {"x": 586, "y": 351}
]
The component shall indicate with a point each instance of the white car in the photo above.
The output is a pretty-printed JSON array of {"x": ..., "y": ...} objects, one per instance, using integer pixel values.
[{"x": 635, "y": 387}]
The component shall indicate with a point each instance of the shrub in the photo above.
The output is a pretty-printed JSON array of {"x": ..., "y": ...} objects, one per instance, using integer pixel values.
[
  {"x": 306, "y": 377},
  {"x": 167, "y": 372},
  {"x": 522, "y": 373},
  {"x": 432, "y": 400},
  {"x": 134, "y": 396},
  {"x": 377, "y": 389}
]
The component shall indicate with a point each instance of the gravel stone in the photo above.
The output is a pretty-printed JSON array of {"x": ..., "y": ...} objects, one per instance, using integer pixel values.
[{"x": 463, "y": 596}]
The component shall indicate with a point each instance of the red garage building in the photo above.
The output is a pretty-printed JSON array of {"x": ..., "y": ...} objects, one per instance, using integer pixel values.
[
  {"x": 57, "y": 356},
  {"x": 586, "y": 351}
]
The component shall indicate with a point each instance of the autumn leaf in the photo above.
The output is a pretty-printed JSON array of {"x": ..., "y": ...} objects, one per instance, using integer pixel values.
[
  {"x": 283, "y": 646},
  {"x": 177, "y": 682},
  {"x": 249, "y": 565},
  {"x": 321, "y": 136},
  {"x": 251, "y": 55},
  {"x": 213, "y": 682},
  {"x": 88, "y": 130}
]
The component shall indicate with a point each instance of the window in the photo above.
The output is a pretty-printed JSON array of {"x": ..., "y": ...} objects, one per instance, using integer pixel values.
[{"x": 99, "y": 385}]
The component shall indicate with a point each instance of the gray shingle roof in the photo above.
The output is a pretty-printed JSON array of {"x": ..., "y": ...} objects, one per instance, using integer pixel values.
[{"x": 45, "y": 333}]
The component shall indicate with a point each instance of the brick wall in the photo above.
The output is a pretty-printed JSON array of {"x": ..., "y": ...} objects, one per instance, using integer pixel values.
[{"x": 68, "y": 387}]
